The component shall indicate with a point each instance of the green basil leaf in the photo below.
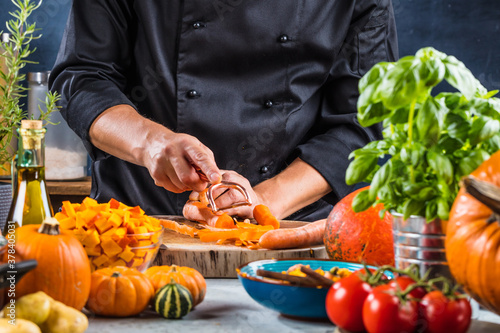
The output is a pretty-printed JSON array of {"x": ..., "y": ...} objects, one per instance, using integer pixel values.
[
  {"x": 431, "y": 71},
  {"x": 493, "y": 144},
  {"x": 359, "y": 169},
  {"x": 372, "y": 113},
  {"x": 457, "y": 127},
  {"x": 362, "y": 202},
  {"x": 441, "y": 165},
  {"x": 471, "y": 162},
  {"x": 448, "y": 144},
  {"x": 462, "y": 78},
  {"x": 413, "y": 207},
  {"x": 400, "y": 86},
  {"x": 399, "y": 116},
  {"x": 379, "y": 179},
  {"x": 443, "y": 209},
  {"x": 431, "y": 210},
  {"x": 482, "y": 129},
  {"x": 429, "y": 121}
]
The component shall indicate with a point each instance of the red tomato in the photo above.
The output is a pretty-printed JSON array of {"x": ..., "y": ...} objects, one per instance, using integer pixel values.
[
  {"x": 442, "y": 314},
  {"x": 383, "y": 312},
  {"x": 404, "y": 282},
  {"x": 344, "y": 303}
]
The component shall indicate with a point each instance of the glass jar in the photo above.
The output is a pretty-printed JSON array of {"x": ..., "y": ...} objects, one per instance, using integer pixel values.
[{"x": 65, "y": 155}]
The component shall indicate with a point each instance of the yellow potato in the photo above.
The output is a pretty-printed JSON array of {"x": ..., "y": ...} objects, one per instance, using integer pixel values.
[
  {"x": 64, "y": 319},
  {"x": 33, "y": 307},
  {"x": 20, "y": 326}
]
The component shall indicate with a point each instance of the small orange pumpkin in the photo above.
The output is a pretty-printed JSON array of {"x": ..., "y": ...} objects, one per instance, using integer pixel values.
[
  {"x": 359, "y": 237},
  {"x": 185, "y": 276},
  {"x": 63, "y": 270},
  {"x": 473, "y": 234},
  {"x": 119, "y": 292}
]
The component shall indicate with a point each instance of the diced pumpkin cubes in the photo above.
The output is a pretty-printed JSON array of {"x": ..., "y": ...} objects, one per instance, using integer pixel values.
[
  {"x": 112, "y": 233},
  {"x": 127, "y": 254},
  {"x": 110, "y": 247}
]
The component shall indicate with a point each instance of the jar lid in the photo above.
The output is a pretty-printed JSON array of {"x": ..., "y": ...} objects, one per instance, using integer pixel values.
[
  {"x": 31, "y": 124},
  {"x": 39, "y": 77}
]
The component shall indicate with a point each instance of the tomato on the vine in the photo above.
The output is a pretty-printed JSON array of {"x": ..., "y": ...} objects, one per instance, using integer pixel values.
[
  {"x": 444, "y": 314},
  {"x": 344, "y": 302},
  {"x": 385, "y": 312},
  {"x": 403, "y": 282}
]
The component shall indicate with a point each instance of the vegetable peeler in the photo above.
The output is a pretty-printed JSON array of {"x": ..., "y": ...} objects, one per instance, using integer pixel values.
[{"x": 209, "y": 193}]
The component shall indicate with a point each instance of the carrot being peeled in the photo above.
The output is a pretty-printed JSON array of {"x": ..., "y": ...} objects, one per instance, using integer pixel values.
[
  {"x": 289, "y": 238},
  {"x": 263, "y": 216},
  {"x": 225, "y": 221}
]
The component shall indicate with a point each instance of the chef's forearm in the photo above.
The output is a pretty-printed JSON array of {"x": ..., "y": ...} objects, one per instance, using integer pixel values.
[
  {"x": 294, "y": 188},
  {"x": 122, "y": 132}
]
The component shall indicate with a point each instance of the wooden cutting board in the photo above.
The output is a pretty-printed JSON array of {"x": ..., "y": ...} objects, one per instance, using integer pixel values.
[{"x": 220, "y": 261}]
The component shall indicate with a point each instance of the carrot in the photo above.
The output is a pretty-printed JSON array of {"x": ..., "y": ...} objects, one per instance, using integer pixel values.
[
  {"x": 307, "y": 235},
  {"x": 179, "y": 228},
  {"x": 263, "y": 216},
  {"x": 225, "y": 221},
  {"x": 197, "y": 211}
]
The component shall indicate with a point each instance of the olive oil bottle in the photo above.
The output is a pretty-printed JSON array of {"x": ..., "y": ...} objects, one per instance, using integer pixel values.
[{"x": 31, "y": 202}]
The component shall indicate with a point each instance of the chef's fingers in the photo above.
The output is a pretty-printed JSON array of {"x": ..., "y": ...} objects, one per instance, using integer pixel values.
[
  {"x": 165, "y": 176},
  {"x": 202, "y": 158},
  {"x": 195, "y": 211},
  {"x": 194, "y": 196}
]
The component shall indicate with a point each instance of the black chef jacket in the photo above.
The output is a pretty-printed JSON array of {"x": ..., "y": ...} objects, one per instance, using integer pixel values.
[{"x": 259, "y": 82}]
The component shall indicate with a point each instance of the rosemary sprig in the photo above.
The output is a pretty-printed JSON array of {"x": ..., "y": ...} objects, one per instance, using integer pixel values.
[{"x": 15, "y": 53}]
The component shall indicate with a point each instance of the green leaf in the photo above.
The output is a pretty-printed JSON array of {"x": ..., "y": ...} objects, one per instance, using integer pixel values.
[
  {"x": 482, "y": 129},
  {"x": 441, "y": 165},
  {"x": 400, "y": 85},
  {"x": 362, "y": 201},
  {"x": 448, "y": 145},
  {"x": 457, "y": 127},
  {"x": 372, "y": 114},
  {"x": 471, "y": 162},
  {"x": 462, "y": 78},
  {"x": 443, "y": 209},
  {"x": 431, "y": 210},
  {"x": 379, "y": 179},
  {"x": 429, "y": 121},
  {"x": 413, "y": 207},
  {"x": 359, "y": 169}
]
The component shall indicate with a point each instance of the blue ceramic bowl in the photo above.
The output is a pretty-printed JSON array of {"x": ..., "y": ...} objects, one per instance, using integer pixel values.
[{"x": 292, "y": 301}]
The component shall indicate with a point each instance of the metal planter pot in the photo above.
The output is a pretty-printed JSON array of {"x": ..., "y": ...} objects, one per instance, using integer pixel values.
[{"x": 418, "y": 242}]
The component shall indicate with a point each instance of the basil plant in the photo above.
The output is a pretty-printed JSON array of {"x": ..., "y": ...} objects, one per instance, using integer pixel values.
[{"x": 429, "y": 142}]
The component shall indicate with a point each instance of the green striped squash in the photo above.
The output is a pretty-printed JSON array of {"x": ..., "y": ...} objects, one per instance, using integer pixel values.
[{"x": 173, "y": 301}]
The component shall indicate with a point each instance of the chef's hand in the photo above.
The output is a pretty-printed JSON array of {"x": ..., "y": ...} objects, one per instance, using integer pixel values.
[
  {"x": 171, "y": 158},
  {"x": 228, "y": 196},
  {"x": 174, "y": 159}
]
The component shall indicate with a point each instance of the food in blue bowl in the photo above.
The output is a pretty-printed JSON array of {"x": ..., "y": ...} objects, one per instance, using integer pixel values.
[{"x": 290, "y": 300}]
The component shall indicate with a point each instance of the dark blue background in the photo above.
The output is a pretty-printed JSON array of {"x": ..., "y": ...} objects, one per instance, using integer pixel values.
[{"x": 469, "y": 30}]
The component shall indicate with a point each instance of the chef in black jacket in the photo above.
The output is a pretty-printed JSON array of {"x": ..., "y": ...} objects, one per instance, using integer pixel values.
[{"x": 258, "y": 92}]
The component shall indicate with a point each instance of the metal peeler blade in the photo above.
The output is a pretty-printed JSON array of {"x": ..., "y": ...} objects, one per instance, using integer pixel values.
[{"x": 229, "y": 185}]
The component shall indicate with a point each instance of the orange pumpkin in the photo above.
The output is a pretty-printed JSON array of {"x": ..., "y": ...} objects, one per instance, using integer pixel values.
[
  {"x": 119, "y": 292},
  {"x": 63, "y": 270},
  {"x": 359, "y": 237},
  {"x": 186, "y": 276},
  {"x": 473, "y": 236}
]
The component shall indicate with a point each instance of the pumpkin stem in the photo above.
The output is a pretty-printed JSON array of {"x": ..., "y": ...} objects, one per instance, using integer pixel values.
[
  {"x": 116, "y": 274},
  {"x": 50, "y": 226},
  {"x": 487, "y": 193}
]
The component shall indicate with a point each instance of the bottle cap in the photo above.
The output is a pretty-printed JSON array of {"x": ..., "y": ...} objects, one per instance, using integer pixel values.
[
  {"x": 31, "y": 124},
  {"x": 39, "y": 77}
]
